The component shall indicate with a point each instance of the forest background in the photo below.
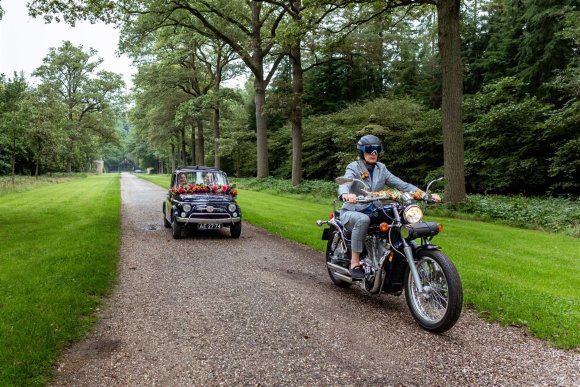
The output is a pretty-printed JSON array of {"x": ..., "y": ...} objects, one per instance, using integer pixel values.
[{"x": 319, "y": 75}]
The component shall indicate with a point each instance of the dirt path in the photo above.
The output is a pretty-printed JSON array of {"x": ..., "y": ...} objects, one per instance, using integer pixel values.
[{"x": 211, "y": 310}]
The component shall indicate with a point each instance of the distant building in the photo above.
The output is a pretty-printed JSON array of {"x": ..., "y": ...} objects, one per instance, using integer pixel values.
[
  {"x": 126, "y": 166},
  {"x": 99, "y": 166}
]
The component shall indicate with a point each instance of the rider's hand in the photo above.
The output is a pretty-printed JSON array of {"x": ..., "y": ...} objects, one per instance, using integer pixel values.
[
  {"x": 436, "y": 198},
  {"x": 349, "y": 198}
]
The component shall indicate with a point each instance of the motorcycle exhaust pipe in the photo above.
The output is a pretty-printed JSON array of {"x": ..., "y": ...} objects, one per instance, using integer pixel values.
[
  {"x": 343, "y": 277},
  {"x": 338, "y": 269}
]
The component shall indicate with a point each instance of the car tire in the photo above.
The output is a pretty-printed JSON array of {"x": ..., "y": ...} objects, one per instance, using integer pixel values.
[
  {"x": 236, "y": 230},
  {"x": 165, "y": 221},
  {"x": 176, "y": 229}
]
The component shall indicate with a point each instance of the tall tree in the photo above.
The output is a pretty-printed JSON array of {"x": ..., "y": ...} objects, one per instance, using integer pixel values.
[
  {"x": 248, "y": 27},
  {"x": 14, "y": 116},
  {"x": 451, "y": 96},
  {"x": 89, "y": 96},
  {"x": 45, "y": 138},
  {"x": 449, "y": 43}
]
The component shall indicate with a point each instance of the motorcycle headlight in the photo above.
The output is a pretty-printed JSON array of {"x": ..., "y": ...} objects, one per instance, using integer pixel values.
[
  {"x": 413, "y": 214},
  {"x": 186, "y": 207},
  {"x": 231, "y": 207}
]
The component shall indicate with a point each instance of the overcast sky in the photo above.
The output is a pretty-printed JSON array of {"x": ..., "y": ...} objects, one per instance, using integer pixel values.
[{"x": 24, "y": 41}]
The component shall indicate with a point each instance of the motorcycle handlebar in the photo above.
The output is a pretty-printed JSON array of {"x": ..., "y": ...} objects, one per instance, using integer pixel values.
[{"x": 369, "y": 199}]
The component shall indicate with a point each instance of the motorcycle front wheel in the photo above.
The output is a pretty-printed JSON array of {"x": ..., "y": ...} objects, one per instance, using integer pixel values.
[{"x": 439, "y": 306}]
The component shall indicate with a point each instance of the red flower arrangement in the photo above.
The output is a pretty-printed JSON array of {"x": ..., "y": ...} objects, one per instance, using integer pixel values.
[{"x": 205, "y": 188}]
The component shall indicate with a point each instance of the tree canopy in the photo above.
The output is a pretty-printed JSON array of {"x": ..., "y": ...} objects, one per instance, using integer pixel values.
[{"x": 311, "y": 68}]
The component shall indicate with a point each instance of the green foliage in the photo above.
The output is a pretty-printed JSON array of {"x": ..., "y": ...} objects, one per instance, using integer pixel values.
[
  {"x": 504, "y": 147},
  {"x": 530, "y": 39},
  {"x": 73, "y": 111},
  {"x": 411, "y": 135},
  {"x": 14, "y": 118},
  {"x": 331, "y": 86},
  {"x": 543, "y": 49},
  {"x": 56, "y": 263}
]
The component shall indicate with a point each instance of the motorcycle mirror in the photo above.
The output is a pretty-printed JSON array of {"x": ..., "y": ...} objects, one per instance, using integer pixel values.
[
  {"x": 434, "y": 181},
  {"x": 343, "y": 180}
]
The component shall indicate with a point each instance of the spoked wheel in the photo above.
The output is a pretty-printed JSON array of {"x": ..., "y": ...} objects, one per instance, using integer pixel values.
[
  {"x": 439, "y": 306},
  {"x": 338, "y": 251}
]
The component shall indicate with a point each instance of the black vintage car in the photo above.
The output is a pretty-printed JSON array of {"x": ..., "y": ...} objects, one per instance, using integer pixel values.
[{"x": 201, "y": 198}]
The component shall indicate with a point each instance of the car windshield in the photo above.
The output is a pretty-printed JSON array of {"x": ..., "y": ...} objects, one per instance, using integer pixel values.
[{"x": 201, "y": 177}]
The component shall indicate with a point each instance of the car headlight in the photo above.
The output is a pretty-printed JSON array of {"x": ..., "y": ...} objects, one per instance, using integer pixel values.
[
  {"x": 186, "y": 207},
  {"x": 232, "y": 207},
  {"x": 413, "y": 214}
]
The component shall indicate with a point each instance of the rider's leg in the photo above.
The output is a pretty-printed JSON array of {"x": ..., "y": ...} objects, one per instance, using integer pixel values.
[{"x": 358, "y": 224}]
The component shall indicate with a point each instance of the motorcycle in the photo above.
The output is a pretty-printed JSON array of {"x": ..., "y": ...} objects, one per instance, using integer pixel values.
[{"x": 398, "y": 255}]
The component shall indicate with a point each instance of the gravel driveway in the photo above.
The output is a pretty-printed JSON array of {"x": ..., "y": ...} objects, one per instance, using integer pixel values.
[{"x": 259, "y": 310}]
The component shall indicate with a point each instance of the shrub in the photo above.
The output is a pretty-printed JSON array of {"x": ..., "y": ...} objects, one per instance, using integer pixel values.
[{"x": 550, "y": 214}]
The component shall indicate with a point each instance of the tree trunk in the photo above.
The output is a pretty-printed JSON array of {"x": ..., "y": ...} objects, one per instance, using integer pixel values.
[
  {"x": 216, "y": 136},
  {"x": 297, "y": 91},
  {"x": 200, "y": 143},
  {"x": 36, "y": 169},
  {"x": 452, "y": 94},
  {"x": 261, "y": 127},
  {"x": 192, "y": 144},
  {"x": 172, "y": 156},
  {"x": 13, "y": 161},
  {"x": 183, "y": 147}
]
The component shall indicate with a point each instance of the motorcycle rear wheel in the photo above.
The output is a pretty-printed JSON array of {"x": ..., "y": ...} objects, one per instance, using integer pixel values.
[
  {"x": 439, "y": 308},
  {"x": 329, "y": 252}
]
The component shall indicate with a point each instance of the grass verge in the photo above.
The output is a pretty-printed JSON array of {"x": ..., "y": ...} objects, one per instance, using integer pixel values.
[
  {"x": 25, "y": 183},
  {"x": 58, "y": 259}
]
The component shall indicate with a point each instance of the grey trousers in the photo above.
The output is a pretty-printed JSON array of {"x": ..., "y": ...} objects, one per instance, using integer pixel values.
[{"x": 358, "y": 224}]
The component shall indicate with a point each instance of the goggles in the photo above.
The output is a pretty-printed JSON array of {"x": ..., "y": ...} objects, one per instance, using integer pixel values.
[{"x": 372, "y": 149}]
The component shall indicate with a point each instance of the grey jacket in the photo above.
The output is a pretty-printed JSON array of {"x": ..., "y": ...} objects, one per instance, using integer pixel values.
[{"x": 380, "y": 177}]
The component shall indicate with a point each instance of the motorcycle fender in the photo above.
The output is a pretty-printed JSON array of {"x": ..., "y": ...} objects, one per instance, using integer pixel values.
[
  {"x": 418, "y": 249},
  {"x": 325, "y": 234}
]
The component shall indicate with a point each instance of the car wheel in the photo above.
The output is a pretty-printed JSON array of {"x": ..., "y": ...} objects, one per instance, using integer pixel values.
[
  {"x": 165, "y": 221},
  {"x": 236, "y": 230},
  {"x": 177, "y": 229}
]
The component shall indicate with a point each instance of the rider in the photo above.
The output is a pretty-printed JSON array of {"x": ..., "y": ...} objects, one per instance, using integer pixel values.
[{"x": 355, "y": 216}]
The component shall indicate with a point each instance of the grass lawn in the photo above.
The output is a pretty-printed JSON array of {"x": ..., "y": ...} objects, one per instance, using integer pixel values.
[
  {"x": 25, "y": 183},
  {"x": 511, "y": 275},
  {"x": 58, "y": 258}
]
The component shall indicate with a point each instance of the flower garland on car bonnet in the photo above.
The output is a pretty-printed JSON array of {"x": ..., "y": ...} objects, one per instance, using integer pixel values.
[{"x": 205, "y": 188}]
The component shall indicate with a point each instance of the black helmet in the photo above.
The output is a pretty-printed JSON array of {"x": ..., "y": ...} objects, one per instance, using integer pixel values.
[{"x": 369, "y": 144}]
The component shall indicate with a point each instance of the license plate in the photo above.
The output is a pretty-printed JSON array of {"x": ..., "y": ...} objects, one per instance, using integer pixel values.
[{"x": 209, "y": 226}]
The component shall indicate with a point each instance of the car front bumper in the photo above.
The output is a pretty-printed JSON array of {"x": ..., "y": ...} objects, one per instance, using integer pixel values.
[{"x": 196, "y": 219}]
